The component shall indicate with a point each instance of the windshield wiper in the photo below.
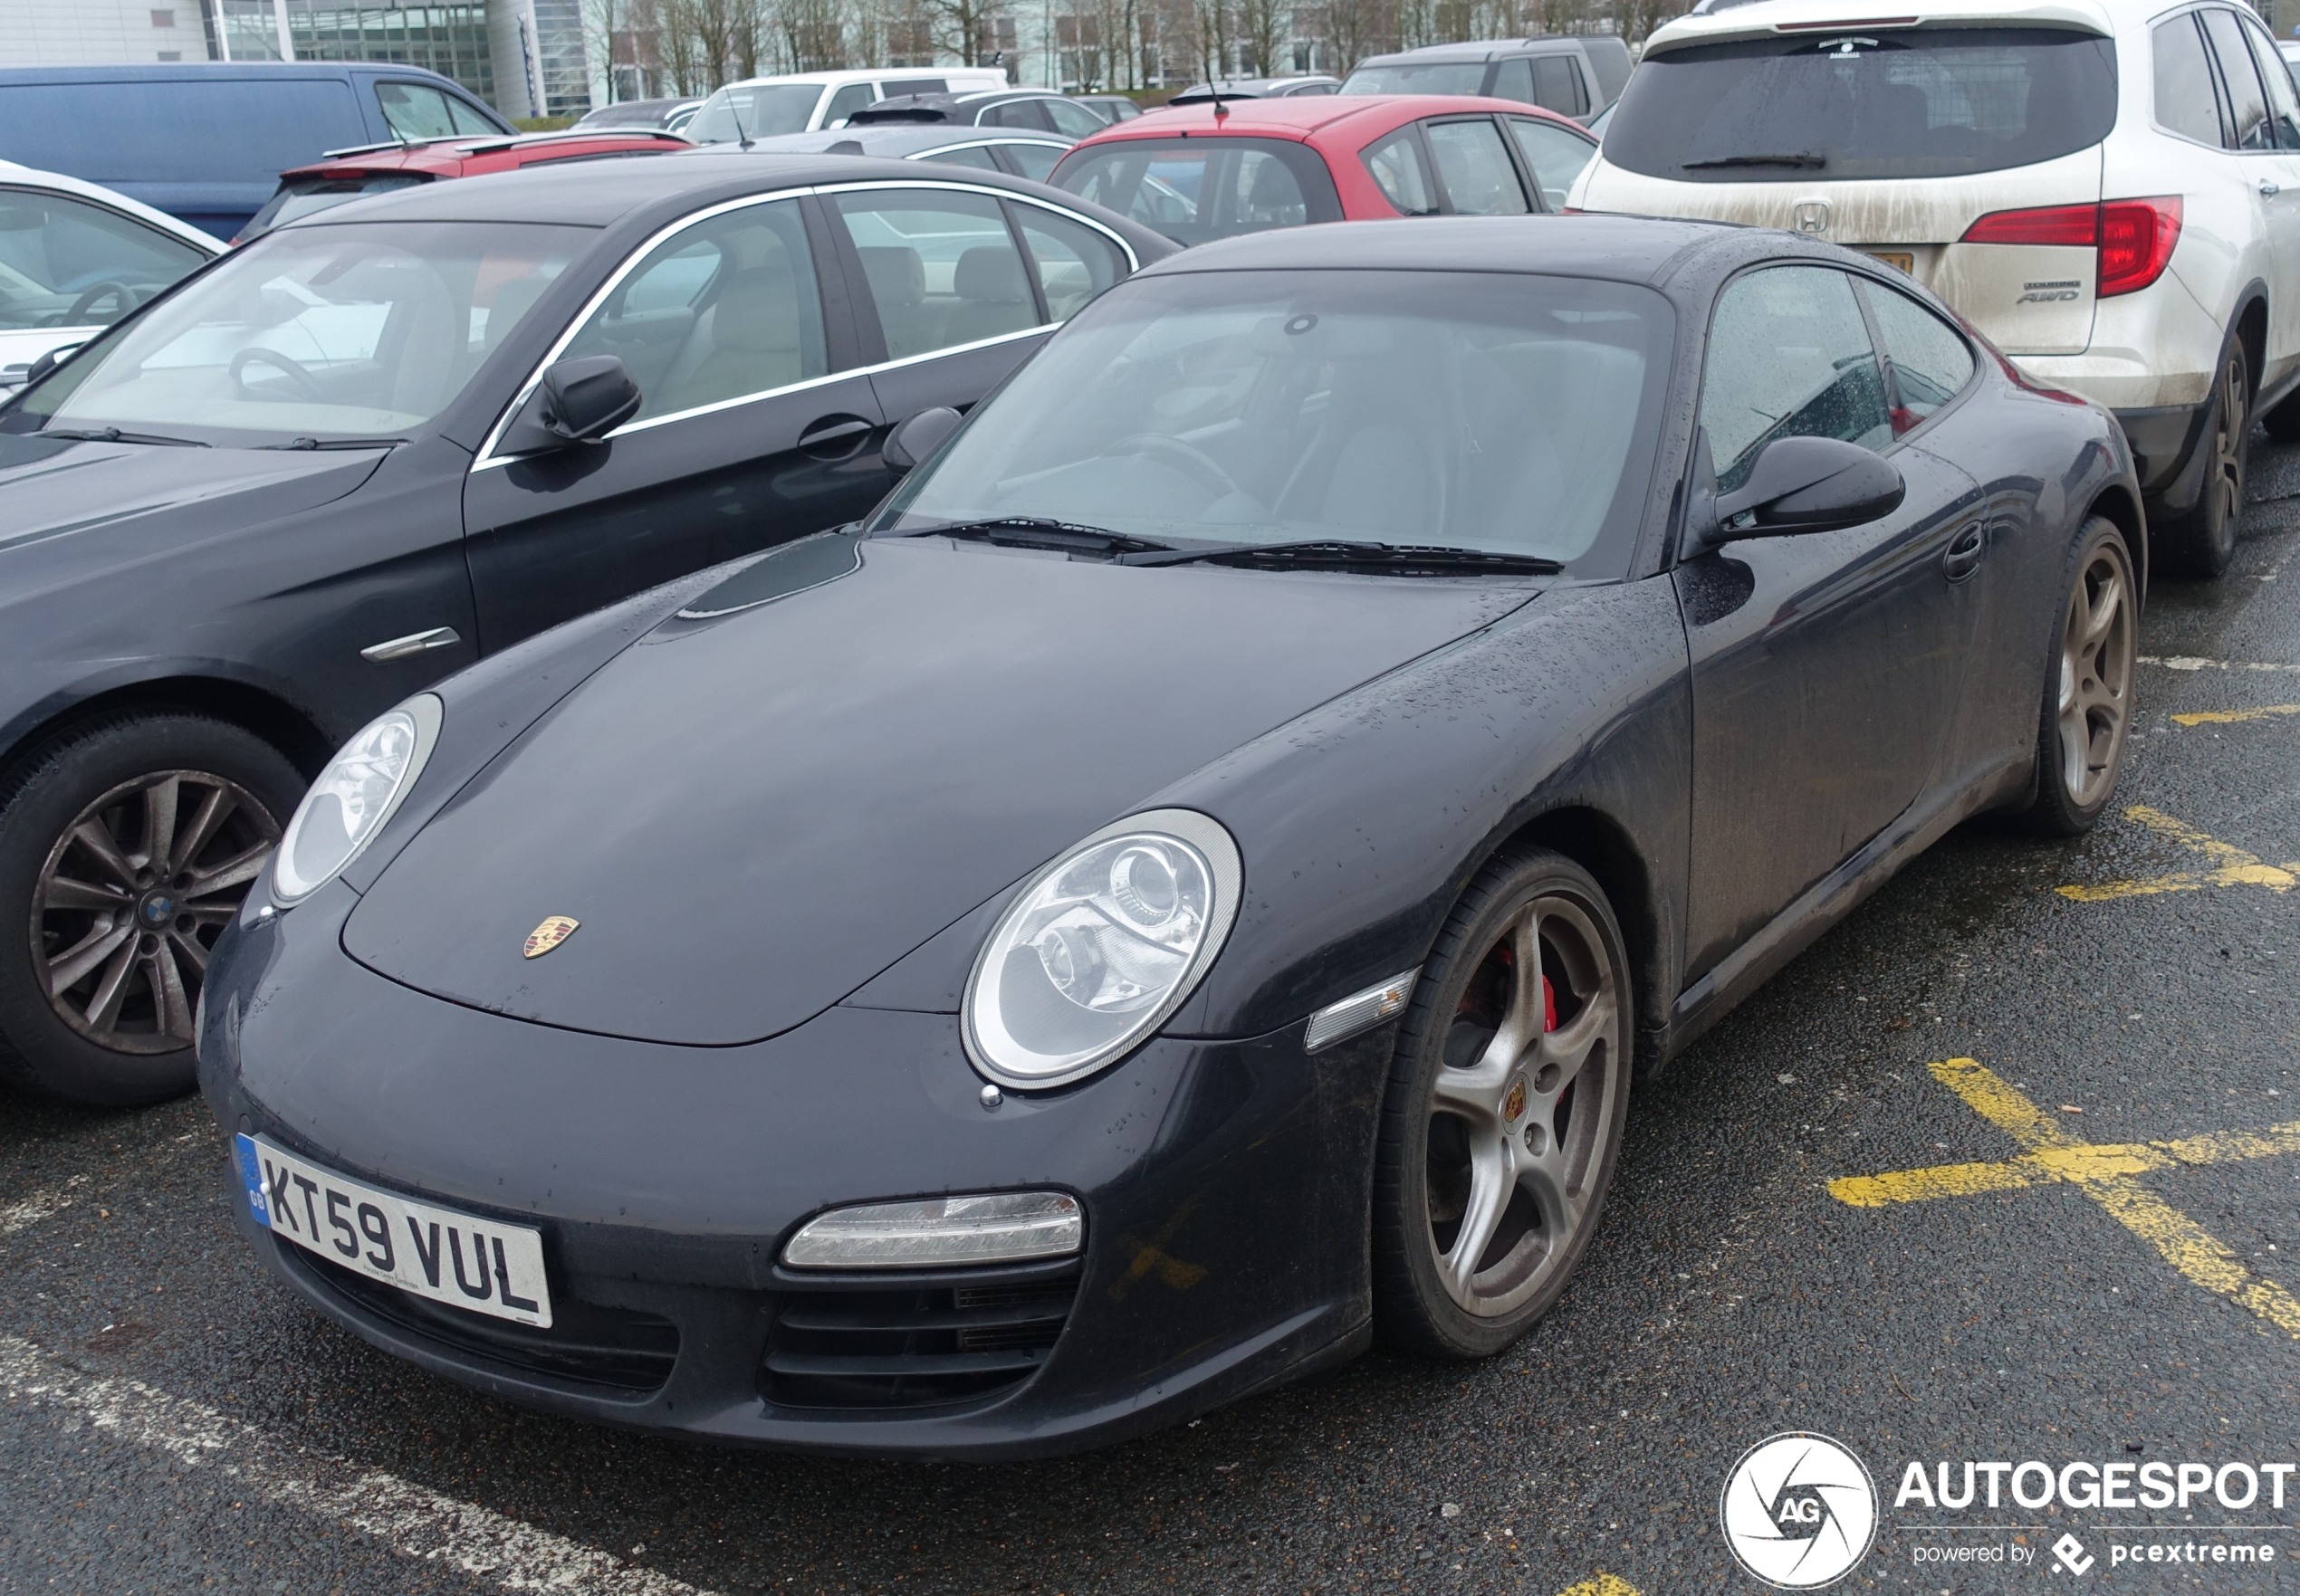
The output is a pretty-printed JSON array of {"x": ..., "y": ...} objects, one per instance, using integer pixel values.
[
  {"x": 1331, "y": 552},
  {"x": 334, "y": 444},
  {"x": 1802, "y": 158},
  {"x": 112, "y": 435},
  {"x": 1032, "y": 532}
]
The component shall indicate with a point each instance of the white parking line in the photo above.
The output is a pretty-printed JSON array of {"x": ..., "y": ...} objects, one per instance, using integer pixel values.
[
  {"x": 41, "y": 1205},
  {"x": 2189, "y": 661},
  {"x": 412, "y": 1521}
]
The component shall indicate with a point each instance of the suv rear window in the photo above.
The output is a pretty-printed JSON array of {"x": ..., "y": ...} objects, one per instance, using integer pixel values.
[{"x": 1938, "y": 103}]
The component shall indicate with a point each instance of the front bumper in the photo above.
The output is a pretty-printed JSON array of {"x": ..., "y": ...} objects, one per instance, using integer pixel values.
[{"x": 1226, "y": 1186}]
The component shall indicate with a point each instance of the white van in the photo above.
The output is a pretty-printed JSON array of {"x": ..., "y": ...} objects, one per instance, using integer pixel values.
[{"x": 801, "y": 103}]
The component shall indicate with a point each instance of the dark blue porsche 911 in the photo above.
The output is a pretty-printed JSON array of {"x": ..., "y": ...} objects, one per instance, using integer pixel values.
[{"x": 1186, "y": 889}]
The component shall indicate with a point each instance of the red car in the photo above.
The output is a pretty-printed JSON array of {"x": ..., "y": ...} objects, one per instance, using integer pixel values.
[
  {"x": 1205, "y": 171},
  {"x": 347, "y": 173}
]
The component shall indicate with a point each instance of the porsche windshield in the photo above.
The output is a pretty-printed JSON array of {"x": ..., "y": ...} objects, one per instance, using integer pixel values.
[
  {"x": 361, "y": 330},
  {"x": 1509, "y": 413}
]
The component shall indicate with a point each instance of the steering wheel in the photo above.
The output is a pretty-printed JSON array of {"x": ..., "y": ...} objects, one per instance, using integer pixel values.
[
  {"x": 1186, "y": 458},
  {"x": 302, "y": 380},
  {"x": 110, "y": 289}
]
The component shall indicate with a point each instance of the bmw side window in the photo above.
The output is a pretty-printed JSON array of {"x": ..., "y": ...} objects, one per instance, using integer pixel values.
[
  {"x": 2247, "y": 103},
  {"x": 1034, "y": 160},
  {"x": 1400, "y": 172},
  {"x": 941, "y": 267},
  {"x": 720, "y": 310},
  {"x": 1557, "y": 86},
  {"x": 2186, "y": 101},
  {"x": 2284, "y": 109},
  {"x": 1789, "y": 357},
  {"x": 1513, "y": 80},
  {"x": 846, "y": 103},
  {"x": 1474, "y": 166},
  {"x": 1074, "y": 119},
  {"x": 1553, "y": 154},
  {"x": 1073, "y": 262},
  {"x": 1929, "y": 363}
]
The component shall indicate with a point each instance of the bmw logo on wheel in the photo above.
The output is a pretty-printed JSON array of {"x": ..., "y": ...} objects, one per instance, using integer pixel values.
[{"x": 1799, "y": 1511}]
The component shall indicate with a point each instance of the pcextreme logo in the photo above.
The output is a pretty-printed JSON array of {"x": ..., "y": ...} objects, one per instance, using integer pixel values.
[{"x": 1799, "y": 1511}]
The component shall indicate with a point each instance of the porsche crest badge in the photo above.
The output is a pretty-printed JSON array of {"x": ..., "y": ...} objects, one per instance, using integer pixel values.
[{"x": 549, "y": 935}]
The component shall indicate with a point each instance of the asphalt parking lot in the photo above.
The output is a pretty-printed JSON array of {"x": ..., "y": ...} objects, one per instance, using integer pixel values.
[{"x": 1997, "y": 1170}]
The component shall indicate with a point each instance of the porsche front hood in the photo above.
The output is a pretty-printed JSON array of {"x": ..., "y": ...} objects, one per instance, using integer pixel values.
[{"x": 748, "y": 814}]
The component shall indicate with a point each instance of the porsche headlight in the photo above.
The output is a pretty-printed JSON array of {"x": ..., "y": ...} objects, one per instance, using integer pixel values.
[
  {"x": 1100, "y": 947},
  {"x": 353, "y": 796}
]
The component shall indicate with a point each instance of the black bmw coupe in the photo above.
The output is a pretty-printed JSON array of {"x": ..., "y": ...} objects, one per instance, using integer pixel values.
[
  {"x": 1189, "y": 885},
  {"x": 386, "y": 440}
]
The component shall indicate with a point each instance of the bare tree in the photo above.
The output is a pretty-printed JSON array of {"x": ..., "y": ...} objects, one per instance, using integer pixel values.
[{"x": 1263, "y": 26}]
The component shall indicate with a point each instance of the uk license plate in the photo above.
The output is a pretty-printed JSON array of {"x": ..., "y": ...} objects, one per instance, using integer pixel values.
[
  {"x": 1899, "y": 259},
  {"x": 434, "y": 1252}
]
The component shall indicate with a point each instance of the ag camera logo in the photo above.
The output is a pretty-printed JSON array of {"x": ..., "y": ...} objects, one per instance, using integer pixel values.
[{"x": 1798, "y": 1511}]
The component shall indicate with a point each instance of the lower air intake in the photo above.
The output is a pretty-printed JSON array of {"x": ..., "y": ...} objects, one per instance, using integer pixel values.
[{"x": 913, "y": 1347}]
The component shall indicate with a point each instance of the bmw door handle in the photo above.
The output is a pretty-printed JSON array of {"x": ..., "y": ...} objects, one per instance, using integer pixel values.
[
  {"x": 1965, "y": 550},
  {"x": 833, "y": 437}
]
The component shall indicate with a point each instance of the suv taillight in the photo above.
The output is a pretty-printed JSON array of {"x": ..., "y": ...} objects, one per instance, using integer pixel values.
[{"x": 2135, "y": 237}]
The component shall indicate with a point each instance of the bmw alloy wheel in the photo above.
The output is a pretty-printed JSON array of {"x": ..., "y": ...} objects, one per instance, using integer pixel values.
[{"x": 132, "y": 897}]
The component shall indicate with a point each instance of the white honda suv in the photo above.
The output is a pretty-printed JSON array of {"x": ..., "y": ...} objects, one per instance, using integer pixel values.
[{"x": 2109, "y": 190}]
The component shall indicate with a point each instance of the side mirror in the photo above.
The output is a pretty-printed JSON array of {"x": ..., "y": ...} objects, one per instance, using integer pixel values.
[
  {"x": 48, "y": 362},
  {"x": 1808, "y": 485},
  {"x": 577, "y": 401},
  {"x": 913, "y": 440}
]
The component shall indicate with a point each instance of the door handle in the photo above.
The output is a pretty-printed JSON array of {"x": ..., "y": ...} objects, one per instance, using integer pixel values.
[
  {"x": 833, "y": 437},
  {"x": 2268, "y": 190},
  {"x": 414, "y": 643},
  {"x": 1963, "y": 556}
]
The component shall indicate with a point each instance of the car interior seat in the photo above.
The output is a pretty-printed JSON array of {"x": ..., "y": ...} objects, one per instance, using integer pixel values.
[
  {"x": 746, "y": 343},
  {"x": 897, "y": 278},
  {"x": 990, "y": 295}
]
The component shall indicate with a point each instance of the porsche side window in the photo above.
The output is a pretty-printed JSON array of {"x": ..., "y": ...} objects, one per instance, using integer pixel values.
[
  {"x": 1397, "y": 168},
  {"x": 1789, "y": 357},
  {"x": 1073, "y": 263},
  {"x": 1556, "y": 156},
  {"x": 719, "y": 311},
  {"x": 1474, "y": 166},
  {"x": 1929, "y": 363},
  {"x": 941, "y": 267}
]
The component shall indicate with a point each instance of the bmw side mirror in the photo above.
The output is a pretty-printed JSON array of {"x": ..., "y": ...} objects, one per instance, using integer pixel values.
[
  {"x": 576, "y": 402},
  {"x": 917, "y": 438},
  {"x": 1808, "y": 486}
]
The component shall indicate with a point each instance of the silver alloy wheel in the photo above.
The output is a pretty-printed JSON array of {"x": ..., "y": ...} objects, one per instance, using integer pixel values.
[
  {"x": 1519, "y": 1110},
  {"x": 133, "y": 896},
  {"x": 2097, "y": 644},
  {"x": 2228, "y": 427}
]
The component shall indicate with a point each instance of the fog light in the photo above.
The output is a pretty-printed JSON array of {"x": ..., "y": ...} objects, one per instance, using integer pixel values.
[{"x": 994, "y": 1227}]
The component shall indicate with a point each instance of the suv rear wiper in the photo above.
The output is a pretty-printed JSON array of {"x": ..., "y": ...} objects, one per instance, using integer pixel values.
[
  {"x": 1333, "y": 552},
  {"x": 1032, "y": 531},
  {"x": 1802, "y": 158},
  {"x": 112, "y": 435}
]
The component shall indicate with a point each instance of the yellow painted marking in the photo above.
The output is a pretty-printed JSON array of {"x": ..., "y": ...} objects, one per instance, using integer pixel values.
[
  {"x": 2235, "y": 867},
  {"x": 1601, "y": 1585},
  {"x": 2102, "y": 1171},
  {"x": 2231, "y": 717}
]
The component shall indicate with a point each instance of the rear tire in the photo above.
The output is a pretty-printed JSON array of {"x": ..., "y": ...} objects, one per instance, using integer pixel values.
[
  {"x": 2201, "y": 542},
  {"x": 1505, "y": 1110},
  {"x": 125, "y": 845},
  {"x": 2087, "y": 709}
]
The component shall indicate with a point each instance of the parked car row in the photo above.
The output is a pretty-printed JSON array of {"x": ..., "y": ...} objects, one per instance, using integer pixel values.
[{"x": 898, "y": 732}]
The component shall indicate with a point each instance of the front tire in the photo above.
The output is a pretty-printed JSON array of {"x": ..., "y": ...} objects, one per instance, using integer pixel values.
[
  {"x": 2201, "y": 542},
  {"x": 1507, "y": 1098},
  {"x": 2087, "y": 708},
  {"x": 126, "y": 846}
]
